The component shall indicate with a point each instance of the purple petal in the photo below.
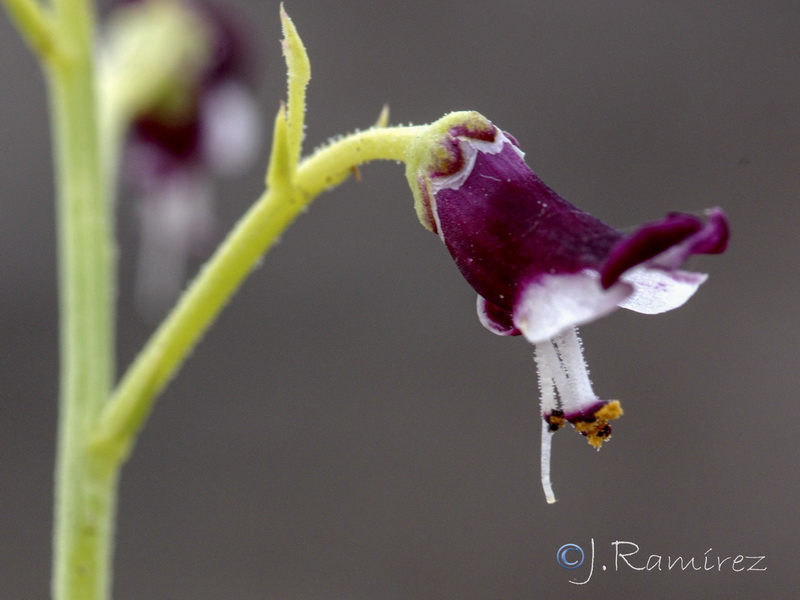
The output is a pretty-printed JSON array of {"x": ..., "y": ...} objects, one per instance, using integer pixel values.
[
  {"x": 647, "y": 242},
  {"x": 667, "y": 244},
  {"x": 496, "y": 319},
  {"x": 506, "y": 229},
  {"x": 539, "y": 264},
  {"x": 233, "y": 45}
]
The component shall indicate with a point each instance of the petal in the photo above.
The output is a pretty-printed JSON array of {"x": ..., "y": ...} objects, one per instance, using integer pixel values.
[
  {"x": 714, "y": 238},
  {"x": 667, "y": 243},
  {"x": 232, "y": 128},
  {"x": 504, "y": 227},
  {"x": 555, "y": 303},
  {"x": 657, "y": 291},
  {"x": 647, "y": 242},
  {"x": 539, "y": 264},
  {"x": 495, "y": 319}
]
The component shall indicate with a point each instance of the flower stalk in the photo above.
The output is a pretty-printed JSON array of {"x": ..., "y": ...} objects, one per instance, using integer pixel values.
[
  {"x": 36, "y": 24},
  {"x": 291, "y": 186},
  {"x": 85, "y": 490},
  {"x": 253, "y": 236}
]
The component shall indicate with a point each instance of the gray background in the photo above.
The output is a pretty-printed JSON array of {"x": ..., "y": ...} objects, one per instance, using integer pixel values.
[{"x": 348, "y": 429}]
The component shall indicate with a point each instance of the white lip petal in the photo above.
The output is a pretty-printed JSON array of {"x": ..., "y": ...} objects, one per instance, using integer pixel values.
[
  {"x": 657, "y": 291},
  {"x": 558, "y": 302}
]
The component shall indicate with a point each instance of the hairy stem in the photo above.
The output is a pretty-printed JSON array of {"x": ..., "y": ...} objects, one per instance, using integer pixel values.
[
  {"x": 257, "y": 231},
  {"x": 35, "y": 23},
  {"x": 85, "y": 495}
]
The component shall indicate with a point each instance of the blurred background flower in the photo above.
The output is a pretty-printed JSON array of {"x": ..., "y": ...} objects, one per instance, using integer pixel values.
[{"x": 198, "y": 121}]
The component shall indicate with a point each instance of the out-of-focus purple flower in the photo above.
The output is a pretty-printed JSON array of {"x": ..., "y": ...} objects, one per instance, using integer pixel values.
[
  {"x": 207, "y": 124},
  {"x": 216, "y": 125},
  {"x": 542, "y": 267}
]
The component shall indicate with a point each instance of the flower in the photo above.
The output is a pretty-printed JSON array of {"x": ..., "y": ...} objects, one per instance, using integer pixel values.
[
  {"x": 179, "y": 74},
  {"x": 541, "y": 266},
  {"x": 206, "y": 120}
]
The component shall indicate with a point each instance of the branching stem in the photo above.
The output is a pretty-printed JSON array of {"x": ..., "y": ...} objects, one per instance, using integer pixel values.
[{"x": 256, "y": 232}]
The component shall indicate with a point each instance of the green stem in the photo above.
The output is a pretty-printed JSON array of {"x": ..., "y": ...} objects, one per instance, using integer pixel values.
[
  {"x": 35, "y": 23},
  {"x": 223, "y": 274},
  {"x": 85, "y": 484},
  {"x": 95, "y": 435}
]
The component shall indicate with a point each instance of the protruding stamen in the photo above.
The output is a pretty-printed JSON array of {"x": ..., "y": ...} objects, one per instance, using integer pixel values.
[
  {"x": 552, "y": 378},
  {"x": 595, "y": 427},
  {"x": 579, "y": 392},
  {"x": 567, "y": 396},
  {"x": 547, "y": 368}
]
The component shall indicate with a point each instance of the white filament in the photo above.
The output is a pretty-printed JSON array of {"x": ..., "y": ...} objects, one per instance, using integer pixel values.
[
  {"x": 563, "y": 383},
  {"x": 547, "y": 369},
  {"x": 573, "y": 365},
  {"x": 547, "y": 485}
]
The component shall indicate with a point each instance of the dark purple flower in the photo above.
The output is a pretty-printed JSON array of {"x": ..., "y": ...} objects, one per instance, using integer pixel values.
[
  {"x": 197, "y": 120},
  {"x": 212, "y": 126},
  {"x": 541, "y": 266}
]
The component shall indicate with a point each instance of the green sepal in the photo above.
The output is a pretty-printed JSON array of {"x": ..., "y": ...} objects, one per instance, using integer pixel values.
[{"x": 431, "y": 153}]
